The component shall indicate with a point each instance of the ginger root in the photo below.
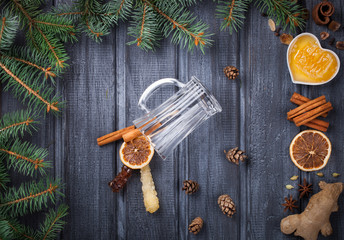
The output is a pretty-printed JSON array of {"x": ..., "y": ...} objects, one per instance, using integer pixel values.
[
  {"x": 150, "y": 196},
  {"x": 316, "y": 216}
]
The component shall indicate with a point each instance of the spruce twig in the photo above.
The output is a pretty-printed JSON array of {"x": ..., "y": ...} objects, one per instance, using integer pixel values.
[
  {"x": 12, "y": 229},
  {"x": 25, "y": 157},
  {"x": 13, "y": 125},
  {"x": 28, "y": 88},
  {"x": 233, "y": 13},
  {"x": 146, "y": 33},
  {"x": 287, "y": 13},
  {"x": 186, "y": 31},
  {"x": 8, "y": 30},
  {"x": 53, "y": 223},
  {"x": 29, "y": 197},
  {"x": 44, "y": 30}
]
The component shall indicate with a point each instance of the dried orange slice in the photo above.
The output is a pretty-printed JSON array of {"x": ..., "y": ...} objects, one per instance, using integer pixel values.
[
  {"x": 136, "y": 153},
  {"x": 310, "y": 150}
]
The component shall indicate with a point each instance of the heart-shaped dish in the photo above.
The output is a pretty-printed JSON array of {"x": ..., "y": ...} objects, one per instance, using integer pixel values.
[{"x": 326, "y": 61}]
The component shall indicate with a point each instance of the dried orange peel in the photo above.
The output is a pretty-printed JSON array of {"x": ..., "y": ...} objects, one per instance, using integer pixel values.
[
  {"x": 137, "y": 153},
  {"x": 310, "y": 150}
]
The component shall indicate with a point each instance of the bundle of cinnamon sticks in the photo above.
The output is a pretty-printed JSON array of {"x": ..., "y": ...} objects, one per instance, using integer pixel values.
[{"x": 308, "y": 111}]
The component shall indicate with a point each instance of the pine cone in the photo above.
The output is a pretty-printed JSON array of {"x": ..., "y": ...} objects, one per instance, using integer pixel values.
[
  {"x": 196, "y": 225},
  {"x": 234, "y": 155},
  {"x": 231, "y": 72},
  {"x": 190, "y": 186},
  {"x": 227, "y": 205}
]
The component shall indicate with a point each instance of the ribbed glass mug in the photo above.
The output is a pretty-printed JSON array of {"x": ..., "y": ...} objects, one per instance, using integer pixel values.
[{"x": 168, "y": 124}]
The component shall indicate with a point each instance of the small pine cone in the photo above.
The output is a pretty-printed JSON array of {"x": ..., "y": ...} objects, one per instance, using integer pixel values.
[
  {"x": 231, "y": 72},
  {"x": 234, "y": 155},
  {"x": 227, "y": 205},
  {"x": 190, "y": 186},
  {"x": 196, "y": 225}
]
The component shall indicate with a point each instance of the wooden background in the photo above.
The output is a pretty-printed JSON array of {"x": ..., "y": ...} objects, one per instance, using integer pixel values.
[{"x": 102, "y": 88}]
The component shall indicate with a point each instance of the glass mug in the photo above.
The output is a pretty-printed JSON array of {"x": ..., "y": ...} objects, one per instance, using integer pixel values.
[{"x": 168, "y": 124}]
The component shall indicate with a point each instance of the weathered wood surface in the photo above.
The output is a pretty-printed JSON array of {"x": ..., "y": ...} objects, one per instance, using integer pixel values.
[{"x": 102, "y": 88}]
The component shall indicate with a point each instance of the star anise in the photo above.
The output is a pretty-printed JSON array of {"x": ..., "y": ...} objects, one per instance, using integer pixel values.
[
  {"x": 289, "y": 204},
  {"x": 305, "y": 189}
]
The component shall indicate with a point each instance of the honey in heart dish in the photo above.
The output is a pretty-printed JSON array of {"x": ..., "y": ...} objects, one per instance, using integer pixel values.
[{"x": 308, "y": 62}]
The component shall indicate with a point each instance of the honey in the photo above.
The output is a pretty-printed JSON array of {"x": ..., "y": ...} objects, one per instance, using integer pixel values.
[{"x": 310, "y": 63}]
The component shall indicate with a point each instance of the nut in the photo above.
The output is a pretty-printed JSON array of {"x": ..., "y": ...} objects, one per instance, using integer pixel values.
[
  {"x": 272, "y": 25},
  {"x": 286, "y": 38},
  {"x": 331, "y": 41},
  {"x": 340, "y": 45},
  {"x": 334, "y": 26},
  {"x": 324, "y": 35}
]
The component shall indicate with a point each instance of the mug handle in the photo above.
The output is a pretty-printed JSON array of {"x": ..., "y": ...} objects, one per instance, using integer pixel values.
[{"x": 154, "y": 86}]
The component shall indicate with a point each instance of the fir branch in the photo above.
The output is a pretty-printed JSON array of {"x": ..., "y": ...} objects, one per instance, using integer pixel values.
[
  {"x": 287, "y": 13},
  {"x": 47, "y": 71},
  {"x": 16, "y": 123},
  {"x": 33, "y": 58},
  {"x": 175, "y": 17},
  {"x": 92, "y": 17},
  {"x": 26, "y": 85},
  {"x": 24, "y": 157},
  {"x": 53, "y": 223},
  {"x": 144, "y": 28},
  {"x": 29, "y": 197},
  {"x": 12, "y": 229},
  {"x": 123, "y": 9},
  {"x": 8, "y": 30},
  {"x": 233, "y": 13},
  {"x": 42, "y": 35}
]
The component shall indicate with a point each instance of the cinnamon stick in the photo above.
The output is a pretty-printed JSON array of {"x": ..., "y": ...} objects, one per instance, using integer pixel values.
[
  {"x": 313, "y": 114},
  {"x": 114, "y": 136},
  {"x": 136, "y": 132},
  {"x": 306, "y": 107},
  {"x": 299, "y": 100},
  {"x": 315, "y": 126},
  {"x": 131, "y": 135}
]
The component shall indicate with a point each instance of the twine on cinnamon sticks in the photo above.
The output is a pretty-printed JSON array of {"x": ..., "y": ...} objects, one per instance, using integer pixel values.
[{"x": 308, "y": 111}]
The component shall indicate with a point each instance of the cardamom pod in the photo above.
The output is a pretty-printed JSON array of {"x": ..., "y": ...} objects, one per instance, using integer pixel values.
[
  {"x": 289, "y": 187},
  {"x": 293, "y": 178},
  {"x": 335, "y": 174},
  {"x": 320, "y": 174}
]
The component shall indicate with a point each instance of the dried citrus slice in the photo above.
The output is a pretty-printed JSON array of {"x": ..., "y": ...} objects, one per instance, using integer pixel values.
[
  {"x": 310, "y": 150},
  {"x": 136, "y": 153}
]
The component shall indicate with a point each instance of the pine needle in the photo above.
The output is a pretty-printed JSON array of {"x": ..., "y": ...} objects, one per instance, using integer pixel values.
[
  {"x": 146, "y": 33},
  {"x": 29, "y": 197},
  {"x": 16, "y": 75},
  {"x": 233, "y": 13},
  {"x": 13, "y": 125},
  {"x": 4, "y": 177},
  {"x": 25, "y": 157},
  {"x": 8, "y": 30},
  {"x": 12, "y": 229},
  {"x": 287, "y": 13},
  {"x": 53, "y": 223}
]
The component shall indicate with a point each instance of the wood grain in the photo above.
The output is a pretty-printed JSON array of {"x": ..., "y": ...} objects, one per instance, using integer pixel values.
[{"x": 102, "y": 88}]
